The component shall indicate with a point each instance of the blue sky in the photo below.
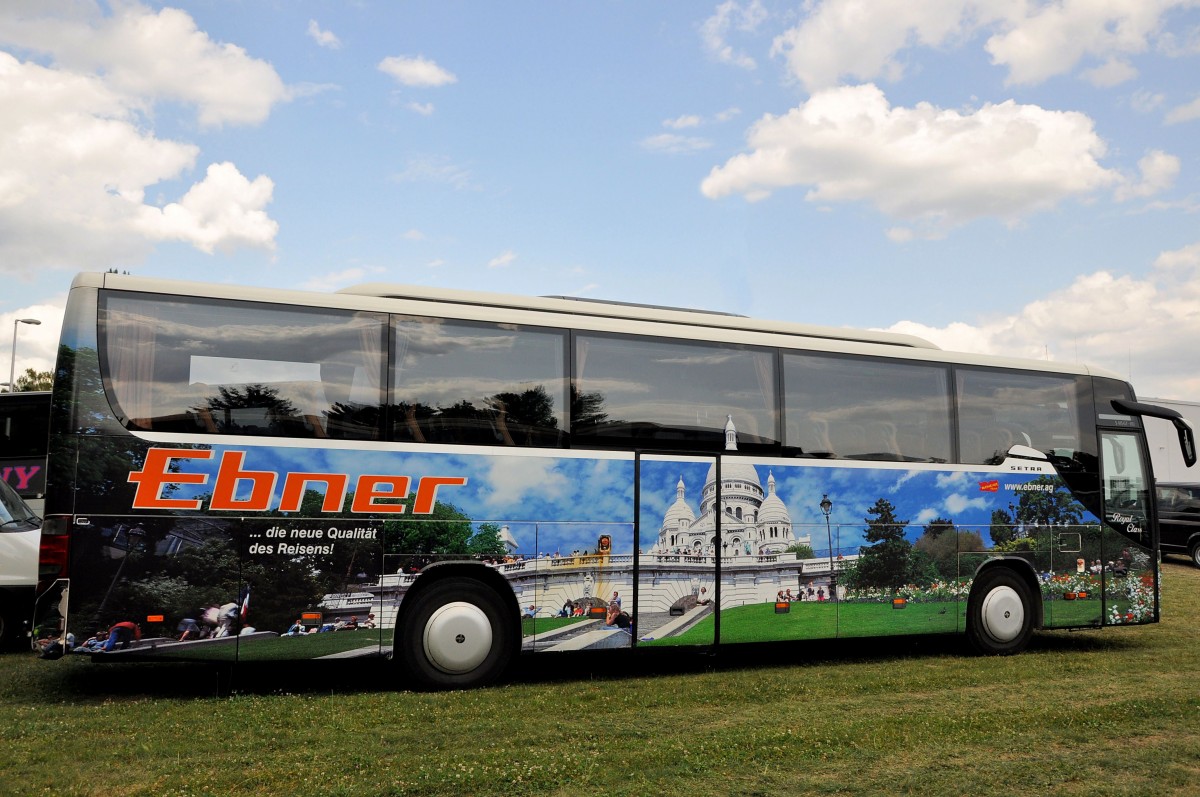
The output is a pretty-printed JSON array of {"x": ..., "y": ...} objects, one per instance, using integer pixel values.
[{"x": 1000, "y": 176}]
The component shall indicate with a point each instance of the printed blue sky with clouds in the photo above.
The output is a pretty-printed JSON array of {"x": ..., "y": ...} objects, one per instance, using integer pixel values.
[
  {"x": 564, "y": 503},
  {"x": 1016, "y": 177}
]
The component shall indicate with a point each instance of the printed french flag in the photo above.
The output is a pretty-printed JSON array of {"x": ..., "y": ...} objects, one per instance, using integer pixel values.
[{"x": 245, "y": 602}]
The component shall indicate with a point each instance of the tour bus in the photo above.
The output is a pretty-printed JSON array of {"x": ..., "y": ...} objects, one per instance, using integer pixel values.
[
  {"x": 24, "y": 422},
  {"x": 449, "y": 479}
]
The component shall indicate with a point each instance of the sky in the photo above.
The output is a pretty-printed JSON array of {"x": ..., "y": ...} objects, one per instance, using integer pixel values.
[{"x": 1009, "y": 177}]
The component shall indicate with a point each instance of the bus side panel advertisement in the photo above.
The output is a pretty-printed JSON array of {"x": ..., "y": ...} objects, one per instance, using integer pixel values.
[{"x": 259, "y": 552}]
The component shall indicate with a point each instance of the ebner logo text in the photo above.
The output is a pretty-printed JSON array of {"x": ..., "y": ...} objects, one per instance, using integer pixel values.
[{"x": 373, "y": 493}]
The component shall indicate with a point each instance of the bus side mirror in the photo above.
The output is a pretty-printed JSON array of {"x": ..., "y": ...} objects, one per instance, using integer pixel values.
[
  {"x": 1187, "y": 440},
  {"x": 1187, "y": 437}
]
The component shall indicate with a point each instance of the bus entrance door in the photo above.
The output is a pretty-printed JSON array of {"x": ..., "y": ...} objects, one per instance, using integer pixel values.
[{"x": 678, "y": 548}]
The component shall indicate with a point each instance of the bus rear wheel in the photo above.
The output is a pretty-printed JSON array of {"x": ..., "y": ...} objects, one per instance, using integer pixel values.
[
  {"x": 457, "y": 634},
  {"x": 999, "y": 613}
]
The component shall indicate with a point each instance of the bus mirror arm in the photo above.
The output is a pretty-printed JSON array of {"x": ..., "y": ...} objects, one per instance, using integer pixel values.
[{"x": 1187, "y": 435}]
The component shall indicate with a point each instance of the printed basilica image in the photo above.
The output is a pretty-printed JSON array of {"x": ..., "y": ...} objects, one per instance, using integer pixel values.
[{"x": 752, "y": 522}]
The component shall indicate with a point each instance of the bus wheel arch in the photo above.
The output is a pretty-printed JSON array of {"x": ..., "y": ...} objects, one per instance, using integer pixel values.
[
  {"x": 1003, "y": 608},
  {"x": 458, "y": 628}
]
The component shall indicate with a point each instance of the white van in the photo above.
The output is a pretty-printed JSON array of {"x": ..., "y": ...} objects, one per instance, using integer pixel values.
[{"x": 20, "y": 536}]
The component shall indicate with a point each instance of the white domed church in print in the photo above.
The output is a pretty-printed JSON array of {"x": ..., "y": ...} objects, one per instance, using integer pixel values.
[{"x": 754, "y": 522}]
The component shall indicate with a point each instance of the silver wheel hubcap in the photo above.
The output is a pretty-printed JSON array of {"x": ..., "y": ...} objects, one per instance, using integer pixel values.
[
  {"x": 1003, "y": 614},
  {"x": 458, "y": 637}
]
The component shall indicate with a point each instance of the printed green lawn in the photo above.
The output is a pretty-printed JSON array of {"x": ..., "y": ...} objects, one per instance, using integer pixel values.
[{"x": 818, "y": 620}]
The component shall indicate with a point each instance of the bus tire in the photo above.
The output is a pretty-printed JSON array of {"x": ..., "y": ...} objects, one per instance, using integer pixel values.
[
  {"x": 457, "y": 634},
  {"x": 1000, "y": 613}
]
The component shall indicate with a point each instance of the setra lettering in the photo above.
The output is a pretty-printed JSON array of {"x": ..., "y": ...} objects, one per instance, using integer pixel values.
[{"x": 373, "y": 493}]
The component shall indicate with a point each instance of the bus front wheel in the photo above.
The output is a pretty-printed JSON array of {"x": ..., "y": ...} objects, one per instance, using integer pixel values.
[
  {"x": 457, "y": 634},
  {"x": 999, "y": 613}
]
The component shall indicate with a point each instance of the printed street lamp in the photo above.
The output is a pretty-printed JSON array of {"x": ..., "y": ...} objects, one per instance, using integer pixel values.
[
  {"x": 12, "y": 363},
  {"x": 827, "y": 508}
]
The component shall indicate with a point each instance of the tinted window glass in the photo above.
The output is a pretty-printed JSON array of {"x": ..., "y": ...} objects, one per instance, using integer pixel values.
[
  {"x": 652, "y": 391},
  {"x": 855, "y": 408},
  {"x": 488, "y": 384},
  {"x": 206, "y": 366},
  {"x": 998, "y": 410},
  {"x": 1126, "y": 483},
  {"x": 24, "y": 423}
]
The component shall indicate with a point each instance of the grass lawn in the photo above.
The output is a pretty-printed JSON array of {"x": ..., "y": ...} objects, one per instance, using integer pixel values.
[{"x": 1089, "y": 713}]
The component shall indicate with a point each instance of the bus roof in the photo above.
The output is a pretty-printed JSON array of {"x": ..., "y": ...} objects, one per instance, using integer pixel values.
[
  {"x": 390, "y": 297},
  {"x": 551, "y": 304}
]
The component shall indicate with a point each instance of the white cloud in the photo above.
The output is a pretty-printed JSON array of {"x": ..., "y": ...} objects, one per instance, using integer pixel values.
[
  {"x": 323, "y": 38},
  {"x": 416, "y": 71},
  {"x": 1051, "y": 39},
  {"x": 1158, "y": 173},
  {"x": 1144, "y": 101},
  {"x": 224, "y": 210},
  {"x": 682, "y": 122},
  {"x": 510, "y": 478},
  {"x": 75, "y": 163},
  {"x": 1143, "y": 328},
  {"x": 422, "y": 108},
  {"x": 1112, "y": 72},
  {"x": 37, "y": 345},
  {"x": 503, "y": 260},
  {"x": 731, "y": 16},
  {"x": 435, "y": 169},
  {"x": 860, "y": 38},
  {"x": 1184, "y": 113},
  {"x": 864, "y": 39},
  {"x": 148, "y": 56},
  {"x": 933, "y": 167},
  {"x": 674, "y": 144},
  {"x": 957, "y": 503}
]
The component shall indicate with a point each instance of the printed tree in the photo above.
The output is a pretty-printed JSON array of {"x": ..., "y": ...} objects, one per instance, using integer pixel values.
[
  {"x": 1036, "y": 511},
  {"x": 884, "y": 564},
  {"x": 942, "y": 542}
]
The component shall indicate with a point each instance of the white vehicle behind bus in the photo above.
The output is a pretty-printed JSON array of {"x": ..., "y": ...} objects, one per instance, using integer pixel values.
[{"x": 20, "y": 532}]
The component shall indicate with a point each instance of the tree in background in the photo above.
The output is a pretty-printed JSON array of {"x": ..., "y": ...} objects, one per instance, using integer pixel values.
[{"x": 34, "y": 380}]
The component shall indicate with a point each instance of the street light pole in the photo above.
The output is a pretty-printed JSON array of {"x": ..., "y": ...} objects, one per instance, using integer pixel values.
[
  {"x": 12, "y": 363},
  {"x": 827, "y": 508}
]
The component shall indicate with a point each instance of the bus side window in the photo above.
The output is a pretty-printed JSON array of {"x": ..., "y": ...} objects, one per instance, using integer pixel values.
[
  {"x": 1001, "y": 409},
  {"x": 669, "y": 393},
  {"x": 209, "y": 366},
  {"x": 866, "y": 408},
  {"x": 469, "y": 383}
]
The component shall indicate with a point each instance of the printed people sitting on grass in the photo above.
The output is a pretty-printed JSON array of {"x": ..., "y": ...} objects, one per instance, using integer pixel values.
[
  {"x": 122, "y": 634},
  {"x": 614, "y": 616}
]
